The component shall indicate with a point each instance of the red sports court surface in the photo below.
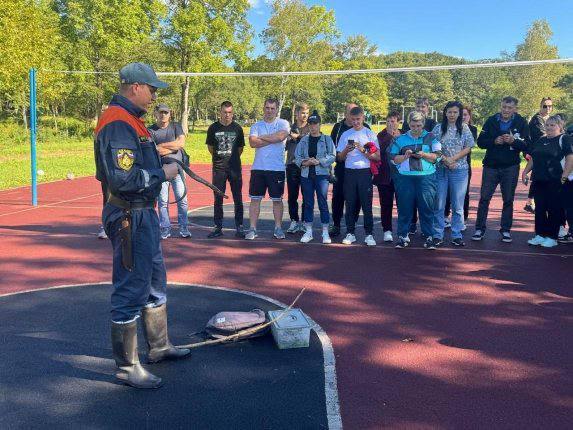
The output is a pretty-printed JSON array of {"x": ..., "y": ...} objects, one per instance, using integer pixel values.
[{"x": 479, "y": 337}]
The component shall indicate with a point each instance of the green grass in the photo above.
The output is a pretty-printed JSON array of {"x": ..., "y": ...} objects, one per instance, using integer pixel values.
[{"x": 60, "y": 154}]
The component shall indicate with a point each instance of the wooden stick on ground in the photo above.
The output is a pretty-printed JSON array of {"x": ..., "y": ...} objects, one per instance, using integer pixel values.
[{"x": 244, "y": 332}]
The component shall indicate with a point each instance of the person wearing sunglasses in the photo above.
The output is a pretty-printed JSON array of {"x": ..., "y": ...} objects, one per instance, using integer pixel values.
[
  {"x": 537, "y": 130},
  {"x": 170, "y": 140}
]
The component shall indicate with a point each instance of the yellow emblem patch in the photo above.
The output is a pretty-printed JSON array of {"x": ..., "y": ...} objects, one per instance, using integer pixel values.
[{"x": 125, "y": 159}]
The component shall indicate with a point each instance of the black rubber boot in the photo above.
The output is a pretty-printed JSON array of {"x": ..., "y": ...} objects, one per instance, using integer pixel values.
[
  {"x": 124, "y": 345},
  {"x": 155, "y": 330}
]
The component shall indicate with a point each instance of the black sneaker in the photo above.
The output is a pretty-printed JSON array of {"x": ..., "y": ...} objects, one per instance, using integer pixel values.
[
  {"x": 438, "y": 242},
  {"x": 402, "y": 243},
  {"x": 529, "y": 208},
  {"x": 217, "y": 232},
  {"x": 506, "y": 237},
  {"x": 478, "y": 235},
  {"x": 458, "y": 242},
  {"x": 429, "y": 243},
  {"x": 239, "y": 232},
  {"x": 334, "y": 231}
]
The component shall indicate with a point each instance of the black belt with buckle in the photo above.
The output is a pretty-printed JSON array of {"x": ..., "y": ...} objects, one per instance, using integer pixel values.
[{"x": 124, "y": 204}]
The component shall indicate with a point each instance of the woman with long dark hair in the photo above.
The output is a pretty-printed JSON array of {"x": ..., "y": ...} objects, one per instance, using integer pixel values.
[
  {"x": 452, "y": 171},
  {"x": 467, "y": 119}
]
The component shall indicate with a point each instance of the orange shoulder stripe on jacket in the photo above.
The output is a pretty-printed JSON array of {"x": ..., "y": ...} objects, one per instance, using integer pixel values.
[{"x": 117, "y": 113}]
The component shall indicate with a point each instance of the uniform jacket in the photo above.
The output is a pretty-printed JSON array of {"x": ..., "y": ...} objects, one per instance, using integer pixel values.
[{"x": 127, "y": 161}]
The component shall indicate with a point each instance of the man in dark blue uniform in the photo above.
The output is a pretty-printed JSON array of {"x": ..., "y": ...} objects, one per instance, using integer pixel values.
[{"x": 128, "y": 164}]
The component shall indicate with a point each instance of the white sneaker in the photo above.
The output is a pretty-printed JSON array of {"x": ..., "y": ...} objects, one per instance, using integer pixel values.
[
  {"x": 301, "y": 227},
  {"x": 562, "y": 232},
  {"x": 326, "y": 237},
  {"x": 464, "y": 227},
  {"x": 349, "y": 239},
  {"x": 293, "y": 227},
  {"x": 101, "y": 234},
  {"x": 537, "y": 240},
  {"x": 251, "y": 235},
  {"x": 306, "y": 237},
  {"x": 369, "y": 240},
  {"x": 548, "y": 243},
  {"x": 388, "y": 236}
]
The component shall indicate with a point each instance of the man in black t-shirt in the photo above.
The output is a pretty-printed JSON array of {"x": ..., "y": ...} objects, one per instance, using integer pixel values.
[
  {"x": 169, "y": 138},
  {"x": 226, "y": 140},
  {"x": 423, "y": 106}
]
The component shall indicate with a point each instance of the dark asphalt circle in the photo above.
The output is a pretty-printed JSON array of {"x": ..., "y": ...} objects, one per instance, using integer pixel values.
[{"x": 57, "y": 372}]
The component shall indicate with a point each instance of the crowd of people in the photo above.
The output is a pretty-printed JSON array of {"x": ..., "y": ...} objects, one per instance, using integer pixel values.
[{"x": 424, "y": 167}]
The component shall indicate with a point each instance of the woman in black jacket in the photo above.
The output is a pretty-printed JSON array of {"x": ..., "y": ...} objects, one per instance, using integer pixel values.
[{"x": 551, "y": 165}]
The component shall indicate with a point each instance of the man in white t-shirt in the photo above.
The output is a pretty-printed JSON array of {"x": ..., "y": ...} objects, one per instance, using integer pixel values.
[
  {"x": 358, "y": 147},
  {"x": 268, "y": 137}
]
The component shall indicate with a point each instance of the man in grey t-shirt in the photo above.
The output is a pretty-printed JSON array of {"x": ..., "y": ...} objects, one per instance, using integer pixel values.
[{"x": 170, "y": 140}]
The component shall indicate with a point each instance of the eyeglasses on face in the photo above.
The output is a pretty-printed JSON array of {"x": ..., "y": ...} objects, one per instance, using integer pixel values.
[{"x": 547, "y": 106}]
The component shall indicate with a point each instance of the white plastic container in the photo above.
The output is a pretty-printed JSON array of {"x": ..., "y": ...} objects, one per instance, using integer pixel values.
[{"x": 292, "y": 330}]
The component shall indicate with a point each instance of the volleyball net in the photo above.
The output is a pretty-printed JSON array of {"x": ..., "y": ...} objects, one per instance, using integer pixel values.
[{"x": 65, "y": 104}]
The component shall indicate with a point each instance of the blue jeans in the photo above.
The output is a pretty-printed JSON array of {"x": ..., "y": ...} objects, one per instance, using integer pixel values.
[
  {"x": 453, "y": 182},
  {"x": 414, "y": 191},
  {"x": 163, "y": 203},
  {"x": 309, "y": 185}
]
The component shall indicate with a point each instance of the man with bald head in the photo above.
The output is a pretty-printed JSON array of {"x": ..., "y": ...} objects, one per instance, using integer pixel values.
[{"x": 338, "y": 187}]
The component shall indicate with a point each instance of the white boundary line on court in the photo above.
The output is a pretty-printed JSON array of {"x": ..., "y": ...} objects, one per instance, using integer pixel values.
[
  {"x": 55, "y": 204},
  {"x": 329, "y": 359}
]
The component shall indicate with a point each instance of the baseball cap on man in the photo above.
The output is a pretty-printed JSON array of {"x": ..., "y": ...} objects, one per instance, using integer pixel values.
[
  {"x": 314, "y": 118},
  {"x": 140, "y": 73},
  {"x": 162, "y": 107}
]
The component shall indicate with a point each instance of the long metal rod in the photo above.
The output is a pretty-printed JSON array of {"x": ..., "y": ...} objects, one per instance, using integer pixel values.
[{"x": 33, "y": 164}]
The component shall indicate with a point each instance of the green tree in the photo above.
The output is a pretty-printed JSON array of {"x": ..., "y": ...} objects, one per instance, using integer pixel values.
[
  {"x": 298, "y": 37},
  {"x": 205, "y": 37},
  {"x": 102, "y": 36},
  {"x": 29, "y": 37},
  {"x": 368, "y": 90},
  {"x": 534, "y": 82},
  {"x": 406, "y": 87}
]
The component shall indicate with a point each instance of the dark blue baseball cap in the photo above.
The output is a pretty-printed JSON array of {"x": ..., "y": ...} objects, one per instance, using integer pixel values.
[{"x": 140, "y": 73}]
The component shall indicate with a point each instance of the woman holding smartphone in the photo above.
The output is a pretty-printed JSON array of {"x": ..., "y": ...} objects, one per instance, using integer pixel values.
[{"x": 414, "y": 154}]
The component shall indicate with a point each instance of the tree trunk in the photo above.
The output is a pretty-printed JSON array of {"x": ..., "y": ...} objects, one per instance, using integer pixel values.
[
  {"x": 25, "y": 117},
  {"x": 55, "y": 117},
  {"x": 185, "y": 104}
]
